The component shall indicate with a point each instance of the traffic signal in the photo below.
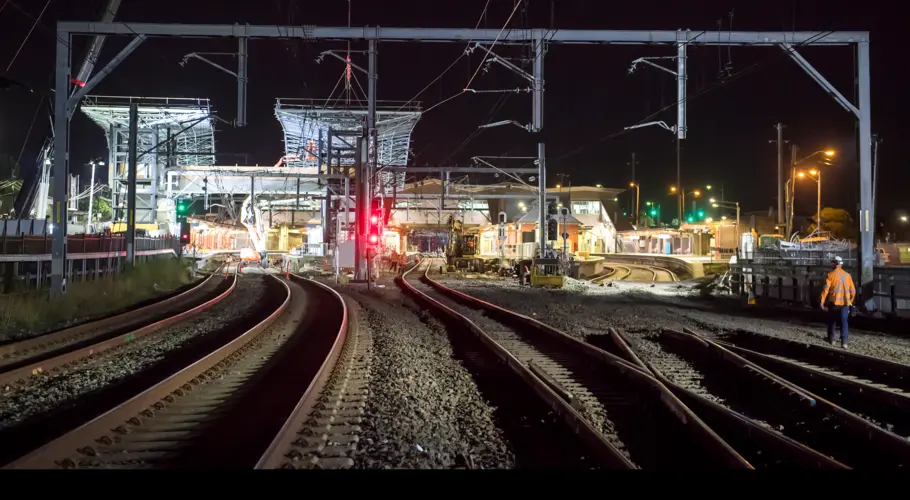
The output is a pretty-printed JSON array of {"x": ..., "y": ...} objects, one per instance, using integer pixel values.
[
  {"x": 701, "y": 214},
  {"x": 374, "y": 235},
  {"x": 182, "y": 207},
  {"x": 690, "y": 219},
  {"x": 552, "y": 230},
  {"x": 653, "y": 213},
  {"x": 184, "y": 233}
]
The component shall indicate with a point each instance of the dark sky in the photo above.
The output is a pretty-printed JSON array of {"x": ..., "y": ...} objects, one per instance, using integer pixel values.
[{"x": 589, "y": 94}]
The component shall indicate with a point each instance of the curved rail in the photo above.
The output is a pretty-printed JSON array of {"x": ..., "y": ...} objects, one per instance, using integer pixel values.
[
  {"x": 14, "y": 376},
  {"x": 835, "y": 430},
  {"x": 557, "y": 397},
  {"x": 16, "y": 353},
  {"x": 742, "y": 432},
  {"x": 627, "y": 269},
  {"x": 276, "y": 454},
  {"x": 875, "y": 388},
  {"x": 104, "y": 429}
]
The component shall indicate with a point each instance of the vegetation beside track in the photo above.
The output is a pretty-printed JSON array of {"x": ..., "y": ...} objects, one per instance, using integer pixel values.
[{"x": 25, "y": 314}]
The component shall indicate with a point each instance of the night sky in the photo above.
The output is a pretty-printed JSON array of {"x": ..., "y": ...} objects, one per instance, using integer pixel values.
[{"x": 590, "y": 96}]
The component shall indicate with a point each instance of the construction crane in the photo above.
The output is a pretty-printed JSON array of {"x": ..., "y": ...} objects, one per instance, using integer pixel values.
[{"x": 35, "y": 188}]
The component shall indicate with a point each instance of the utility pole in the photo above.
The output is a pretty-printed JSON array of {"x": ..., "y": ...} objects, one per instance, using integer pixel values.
[
  {"x": 131, "y": 186},
  {"x": 791, "y": 199},
  {"x": 781, "y": 180},
  {"x": 541, "y": 147},
  {"x": 876, "y": 144}
]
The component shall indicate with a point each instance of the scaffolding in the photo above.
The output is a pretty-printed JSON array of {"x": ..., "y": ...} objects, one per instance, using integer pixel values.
[
  {"x": 307, "y": 124},
  {"x": 172, "y": 132}
]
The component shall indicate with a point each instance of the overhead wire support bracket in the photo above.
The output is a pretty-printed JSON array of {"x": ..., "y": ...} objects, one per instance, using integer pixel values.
[
  {"x": 516, "y": 90},
  {"x": 500, "y": 123},
  {"x": 495, "y": 58},
  {"x": 340, "y": 58},
  {"x": 661, "y": 124},
  {"x": 240, "y": 75},
  {"x": 647, "y": 60}
]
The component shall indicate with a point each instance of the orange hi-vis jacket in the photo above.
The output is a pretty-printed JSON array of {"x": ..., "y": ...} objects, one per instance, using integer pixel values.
[{"x": 839, "y": 288}]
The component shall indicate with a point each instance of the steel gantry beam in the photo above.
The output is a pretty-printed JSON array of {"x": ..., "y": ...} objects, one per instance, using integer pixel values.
[{"x": 66, "y": 29}]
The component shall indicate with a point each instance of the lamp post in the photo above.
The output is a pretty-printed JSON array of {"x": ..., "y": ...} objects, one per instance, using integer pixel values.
[
  {"x": 815, "y": 175},
  {"x": 828, "y": 153},
  {"x": 635, "y": 185},
  {"x": 727, "y": 204},
  {"x": 91, "y": 196}
]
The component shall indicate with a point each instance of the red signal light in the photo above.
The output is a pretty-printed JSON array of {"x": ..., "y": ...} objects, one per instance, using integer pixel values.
[
  {"x": 374, "y": 239},
  {"x": 374, "y": 219},
  {"x": 185, "y": 236}
]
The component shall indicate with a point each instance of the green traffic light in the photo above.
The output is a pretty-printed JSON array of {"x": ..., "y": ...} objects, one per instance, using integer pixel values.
[
  {"x": 701, "y": 213},
  {"x": 653, "y": 212},
  {"x": 690, "y": 219}
]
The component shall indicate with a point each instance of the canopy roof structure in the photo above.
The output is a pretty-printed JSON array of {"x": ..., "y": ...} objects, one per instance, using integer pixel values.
[
  {"x": 305, "y": 121},
  {"x": 189, "y": 121}
]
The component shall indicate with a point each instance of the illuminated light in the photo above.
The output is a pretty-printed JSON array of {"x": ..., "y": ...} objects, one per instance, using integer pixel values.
[
  {"x": 631, "y": 184},
  {"x": 558, "y": 186},
  {"x": 701, "y": 213},
  {"x": 709, "y": 219},
  {"x": 374, "y": 239},
  {"x": 813, "y": 172},
  {"x": 77, "y": 82},
  {"x": 715, "y": 205},
  {"x": 696, "y": 192},
  {"x": 690, "y": 219},
  {"x": 374, "y": 219},
  {"x": 615, "y": 199},
  {"x": 672, "y": 189},
  {"x": 653, "y": 213},
  {"x": 800, "y": 175},
  {"x": 708, "y": 187},
  {"x": 830, "y": 153},
  {"x": 723, "y": 218},
  {"x": 599, "y": 186}
]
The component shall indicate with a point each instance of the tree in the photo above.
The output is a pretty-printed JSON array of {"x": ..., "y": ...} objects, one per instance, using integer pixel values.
[
  {"x": 101, "y": 208},
  {"x": 837, "y": 222}
]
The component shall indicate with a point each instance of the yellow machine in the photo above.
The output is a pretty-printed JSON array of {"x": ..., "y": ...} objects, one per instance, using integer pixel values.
[{"x": 544, "y": 274}]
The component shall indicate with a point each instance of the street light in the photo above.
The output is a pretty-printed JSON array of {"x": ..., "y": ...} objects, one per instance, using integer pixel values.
[
  {"x": 818, "y": 201},
  {"x": 903, "y": 218},
  {"x": 635, "y": 185},
  {"x": 727, "y": 204}
]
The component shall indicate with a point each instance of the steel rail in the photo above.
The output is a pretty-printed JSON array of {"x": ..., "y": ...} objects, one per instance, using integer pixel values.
[
  {"x": 539, "y": 384},
  {"x": 80, "y": 440},
  {"x": 744, "y": 429},
  {"x": 12, "y": 352},
  {"x": 275, "y": 454},
  {"x": 883, "y": 441},
  {"x": 34, "y": 369}
]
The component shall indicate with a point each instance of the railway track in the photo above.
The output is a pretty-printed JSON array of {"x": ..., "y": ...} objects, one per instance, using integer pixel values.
[
  {"x": 223, "y": 410},
  {"x": 876, "y": 389},
  {"x": 627, "y": 418},
  {"x": 625, "y": 272},
  {"x": 45, "y": 352},
  {"x": 714, "y": 372}
]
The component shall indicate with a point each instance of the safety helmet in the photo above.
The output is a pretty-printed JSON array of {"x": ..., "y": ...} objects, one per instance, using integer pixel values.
[{"x": 837, "y": 260}]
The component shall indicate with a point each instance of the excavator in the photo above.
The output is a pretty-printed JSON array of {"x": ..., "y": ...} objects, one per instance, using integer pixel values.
[
  {"x": 251, "y": 218},
  {"x": 462, "y": 249}
]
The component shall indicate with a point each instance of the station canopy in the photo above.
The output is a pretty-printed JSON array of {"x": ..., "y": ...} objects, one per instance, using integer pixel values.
[
  {"x": 189, "y": 121},
  {"x": 304, "y": 121}
]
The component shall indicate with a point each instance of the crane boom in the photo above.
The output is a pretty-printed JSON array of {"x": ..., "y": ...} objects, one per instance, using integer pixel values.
[{"x": 39, "y": 183}]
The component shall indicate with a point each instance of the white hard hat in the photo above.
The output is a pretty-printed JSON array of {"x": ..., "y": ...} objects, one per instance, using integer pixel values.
[{"x": 837, "y": 260}]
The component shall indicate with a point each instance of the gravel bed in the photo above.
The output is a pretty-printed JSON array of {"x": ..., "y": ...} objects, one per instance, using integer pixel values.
[
  {"x": 44, "y": 393},
  {"x": 425, "y": 410},
  {"x": 582, "y": 309}
]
